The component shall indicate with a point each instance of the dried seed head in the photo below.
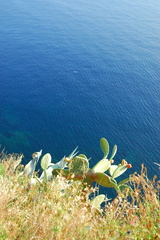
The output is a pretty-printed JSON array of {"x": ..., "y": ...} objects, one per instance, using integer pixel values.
[
  {"x": 92, "y": 190},
  {"x": 115, "y": 201},
  {"x": 66, "y": 159}
]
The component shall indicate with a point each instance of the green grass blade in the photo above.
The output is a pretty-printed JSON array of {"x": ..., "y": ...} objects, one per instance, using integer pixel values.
[{"x": 1, "y": 169}]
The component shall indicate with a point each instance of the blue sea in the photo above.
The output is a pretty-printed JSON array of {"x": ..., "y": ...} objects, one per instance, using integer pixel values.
[{"x": 72, "y": 72}]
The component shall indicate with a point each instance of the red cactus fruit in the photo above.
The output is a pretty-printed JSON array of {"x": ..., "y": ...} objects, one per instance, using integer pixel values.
[{"x": 128, "y": 165}]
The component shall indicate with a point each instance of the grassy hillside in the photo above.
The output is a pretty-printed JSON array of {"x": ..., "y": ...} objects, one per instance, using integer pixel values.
[{"x": 60, "y": 209}]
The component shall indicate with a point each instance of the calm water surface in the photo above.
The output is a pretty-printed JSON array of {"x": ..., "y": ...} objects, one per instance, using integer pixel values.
[{"x": 72, "y": 72}]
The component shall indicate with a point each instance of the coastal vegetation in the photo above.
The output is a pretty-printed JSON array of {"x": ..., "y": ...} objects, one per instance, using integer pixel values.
[{"x": 63, "y": 202}]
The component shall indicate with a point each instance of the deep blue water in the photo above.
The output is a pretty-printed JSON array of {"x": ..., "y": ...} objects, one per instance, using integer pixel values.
[{"x": 72, "y": 72}]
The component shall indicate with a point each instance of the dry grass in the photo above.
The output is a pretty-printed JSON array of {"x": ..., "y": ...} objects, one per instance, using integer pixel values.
[
  {"x": 59, "y": 210},
  {"x": 138, "y": 215}
]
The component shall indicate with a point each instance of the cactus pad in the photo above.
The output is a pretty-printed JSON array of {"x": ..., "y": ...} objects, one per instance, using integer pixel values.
[
  {"x": 118, "y": 170},
  {"x": 46, "y": 160},
  {"x": 102, "y": 179},
  {"x": 96, "y": 202},
  {"x": 79, "y": 165},
  {"x": 114, "y": 150},
  {"x": 101, "y": 166},
  {"x": 104, "y": 147}
]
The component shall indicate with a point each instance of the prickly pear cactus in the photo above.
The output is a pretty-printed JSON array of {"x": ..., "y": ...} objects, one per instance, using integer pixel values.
[
  {"x": 102, "y": 166},
  {"x": 79, "y": 165},
  {"x": 46, "y": 160},
  {"x": 104, "y": 147},
  {"x": 96, "y": 202},
  {"x": 117, "y": 170},
  {"x": 114, "y": 151},
  {"x": 78, "y": 169},
  {"x": 102, "y": 179}
]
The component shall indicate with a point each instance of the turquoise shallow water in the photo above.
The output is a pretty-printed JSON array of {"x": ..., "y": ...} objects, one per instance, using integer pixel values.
[{"x": 75, "y": 71}]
